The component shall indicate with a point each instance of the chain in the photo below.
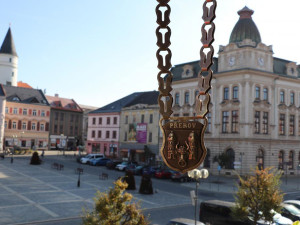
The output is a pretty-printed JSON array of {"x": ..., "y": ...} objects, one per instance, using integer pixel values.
[{"x": 164, "y": 54}]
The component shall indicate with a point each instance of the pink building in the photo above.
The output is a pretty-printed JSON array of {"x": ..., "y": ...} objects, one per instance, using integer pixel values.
[{"x": 104, "y": 127}]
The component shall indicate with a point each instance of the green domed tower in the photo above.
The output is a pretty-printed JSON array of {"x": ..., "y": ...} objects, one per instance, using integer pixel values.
[{"x": 245, "y": 28}]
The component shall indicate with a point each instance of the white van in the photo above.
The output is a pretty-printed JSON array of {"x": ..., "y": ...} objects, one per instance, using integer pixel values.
[{"x": 88, "y": 157}]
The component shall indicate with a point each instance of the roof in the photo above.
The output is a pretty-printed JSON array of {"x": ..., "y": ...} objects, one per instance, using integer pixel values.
[
  {"x": 25, "y": 95},
  {"x": 57, "y": 102},
  {"x": 177, "y": 70},
  {"x": 24, "y": 85},
  {"x": 245, "y": 28},
  {"x": 148, "y": 98},
  {"x": 116, "y": 106},
  {"x": 8, "y": 46}
]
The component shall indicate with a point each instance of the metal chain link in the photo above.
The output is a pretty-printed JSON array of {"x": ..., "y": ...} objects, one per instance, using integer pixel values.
[{"x": 163, "y": 33}]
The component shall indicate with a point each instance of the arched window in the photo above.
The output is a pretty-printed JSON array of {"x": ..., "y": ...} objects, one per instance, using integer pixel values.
[
  {"x": 235, "y": 92},
  {"x": 177, "y": 99},
  {"x": 292, "y": 98},
  {"x": 281, "y": 96},
  {"x": 260, "y": 159},
  {"x": 291, "y": 160},
  {"x": 266, "y": 94},
  {"x": 186, "y": 97},
  {"x": 226, "y": 93},
  {"x": 231, "y": 157},
  {"x": 207, "y": 159},
  {"x": 280, "y": 160}
]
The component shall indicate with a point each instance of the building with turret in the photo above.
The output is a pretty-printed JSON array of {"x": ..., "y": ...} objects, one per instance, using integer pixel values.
[
  {"x": 8, "y": 61},
  {"x": 254, "y": 114}
]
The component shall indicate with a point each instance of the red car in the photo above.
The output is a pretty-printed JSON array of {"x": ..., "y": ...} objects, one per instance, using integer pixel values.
[{"x": 164, "y": 173}]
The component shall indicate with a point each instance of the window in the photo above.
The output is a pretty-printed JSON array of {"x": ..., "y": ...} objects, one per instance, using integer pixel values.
[
  {"x": 234, "y": 121},
  {"x": 257, "y": 122},
  {"x": 281, "y": 96},
  {"x": 42, "y": 113},
  {"x": 107, "y": 134},
  {"x": 14, "y": 125},
  {"x": 9, "y": 59},
  {"x": 142, "y": 118},
  {"x": 126, "y": 119},
  {"x": 5, "y": 124},
  {"x": 71, "y": 130},
  {"x": 93, "y": 133},
  {"x": 208, "y": 128},
  {"x": 15, "y": 111},
  {"x": 99, "y": 133},
  {"x": 151, "y": 118},
  {"x": 115, "y": 120},
  {"x": 62, "y": 116},
  {"x": 108, "y": 120},
  {"x": 292, "y": 125},
  {"x": 34, "y": 112},
  {"x": 292, "y": 98},
  {"x": 280, "y": 160},
  {"x": 282, "y": 124},
  {"x": 6, "y": 109},
  {"x": 56, "y": 116},
  {"x": 150, "y": 136},
  {"x": 291, "y": 160},
  {"x": 24, "y": 126},
  {"x": 266, "y": 94},
  {"x": 196, "y": 94},
  {"x": 125, "y": 136},
  {"x": 265, "y": 123},
  {"x": 114, "y": 134},
  {"x": 61, "y": 129},
  {"x": 207, "y": 159},
  {"x": 25, "y": 112},
  {"x": 100, "y": 120},
  {"x": 94, "y": 121},
  {"x": 235, "y": 92},
  {"x": 33, "y": 127},
  {"x": 225, "y": 121},
  {"x": 72, "y": 118},
  {"x": 134, "y": 119},
  {"x": 77, "y": 118},
  {"x": 42, "y": 127},
  {"x": 177, "y": 99},
  {"x": 55, "y": 129},
  {"x": 257, "y": 92},
  {"x": 186, "y": 97},
  {"x": 226, "y": 93}
]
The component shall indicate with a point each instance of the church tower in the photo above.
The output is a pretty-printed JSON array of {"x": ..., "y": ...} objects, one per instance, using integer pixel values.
[{"x": 8, "y": 61}]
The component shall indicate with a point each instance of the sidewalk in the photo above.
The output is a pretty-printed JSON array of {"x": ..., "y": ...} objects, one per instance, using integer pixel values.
[{"x": 228, "y": 184}]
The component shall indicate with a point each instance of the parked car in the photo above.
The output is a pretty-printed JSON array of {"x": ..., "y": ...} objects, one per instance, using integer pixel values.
[
  {"x": 295, "y": 203},
  {"x": 99, "y": 161},
  {"x": 112, "y": 164},
  {"x": 181, "y": 177},
  {"x": 150, "y": 170},
  {"x": 122, "y": 166},
  {"x": 163, "y": 173},
  {"x": 78, "y": 157},
  {"x": 85, "y": 160},
  {"x": 290, "y": 211},
  {"x": 183, "y": 221},
  {"x": 136, "y": 170}
]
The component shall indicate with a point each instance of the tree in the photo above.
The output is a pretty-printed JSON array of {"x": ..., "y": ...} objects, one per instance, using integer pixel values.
[
  {"x": 258, "y": 195},
  {"x": 115, "y": 208}
]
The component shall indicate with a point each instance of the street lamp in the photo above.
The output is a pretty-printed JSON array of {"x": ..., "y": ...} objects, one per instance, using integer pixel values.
[
  {"x": 112, "y": 149},
  {"x": 13, "y": 149},
  {"x": 197, "y": 174}
]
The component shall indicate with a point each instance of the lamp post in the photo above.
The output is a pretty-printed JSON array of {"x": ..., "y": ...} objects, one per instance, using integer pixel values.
[
  {"x": 13, "y": 149},
  {"x": 197, "y": 174},
  {"x": 112, "y": 150}
]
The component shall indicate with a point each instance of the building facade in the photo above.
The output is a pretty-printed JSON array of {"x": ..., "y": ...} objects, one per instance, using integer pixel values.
[
  {"x": 255, "y": 103},
  {"x": 104, "y": 127},
  {"x": 139, "y": 133},
  {"x": 66, "y": 120},
  {"x": 86, "y": 110},
  {"x": 27, "y": 117}
]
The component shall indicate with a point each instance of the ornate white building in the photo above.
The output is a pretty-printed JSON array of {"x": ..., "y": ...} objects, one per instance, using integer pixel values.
[
  {"x": 8, "y": 61},
  {"x": 255, "y": 107}
]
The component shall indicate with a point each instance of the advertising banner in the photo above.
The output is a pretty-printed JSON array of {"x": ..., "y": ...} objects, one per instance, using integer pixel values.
[{"x": 141, "y": 133}]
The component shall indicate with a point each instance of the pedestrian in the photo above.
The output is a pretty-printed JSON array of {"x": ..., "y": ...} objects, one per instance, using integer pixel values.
[{"x": 43, "y": 152}]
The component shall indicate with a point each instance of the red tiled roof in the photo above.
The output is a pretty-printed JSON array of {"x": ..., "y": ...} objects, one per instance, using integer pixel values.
[
  {"x": 24, "y": 85},
  {"x": 63, "y": 103}
]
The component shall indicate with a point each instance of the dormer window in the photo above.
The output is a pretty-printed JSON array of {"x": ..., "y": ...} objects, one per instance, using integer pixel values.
[{"x": 16, "y": 99}]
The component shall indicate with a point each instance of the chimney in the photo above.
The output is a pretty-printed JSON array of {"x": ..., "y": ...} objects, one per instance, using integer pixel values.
[{"x": 56, "y": 95}]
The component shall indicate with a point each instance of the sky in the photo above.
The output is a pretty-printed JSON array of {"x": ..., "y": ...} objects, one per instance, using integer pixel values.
[{"x": 98, "y": 51}]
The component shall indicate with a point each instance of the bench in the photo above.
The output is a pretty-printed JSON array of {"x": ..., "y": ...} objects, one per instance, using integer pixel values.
[
  {"x": 57, "y": 166},
  {"x": 79, "y": 170},
  {"x": 103, "y": 176}
]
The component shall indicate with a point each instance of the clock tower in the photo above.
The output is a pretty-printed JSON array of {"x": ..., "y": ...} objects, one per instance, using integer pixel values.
[{"x": 245, "y": 49}]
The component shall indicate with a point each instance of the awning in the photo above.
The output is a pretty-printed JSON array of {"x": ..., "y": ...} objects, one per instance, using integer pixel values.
[{"x": 133, "y": 150}]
